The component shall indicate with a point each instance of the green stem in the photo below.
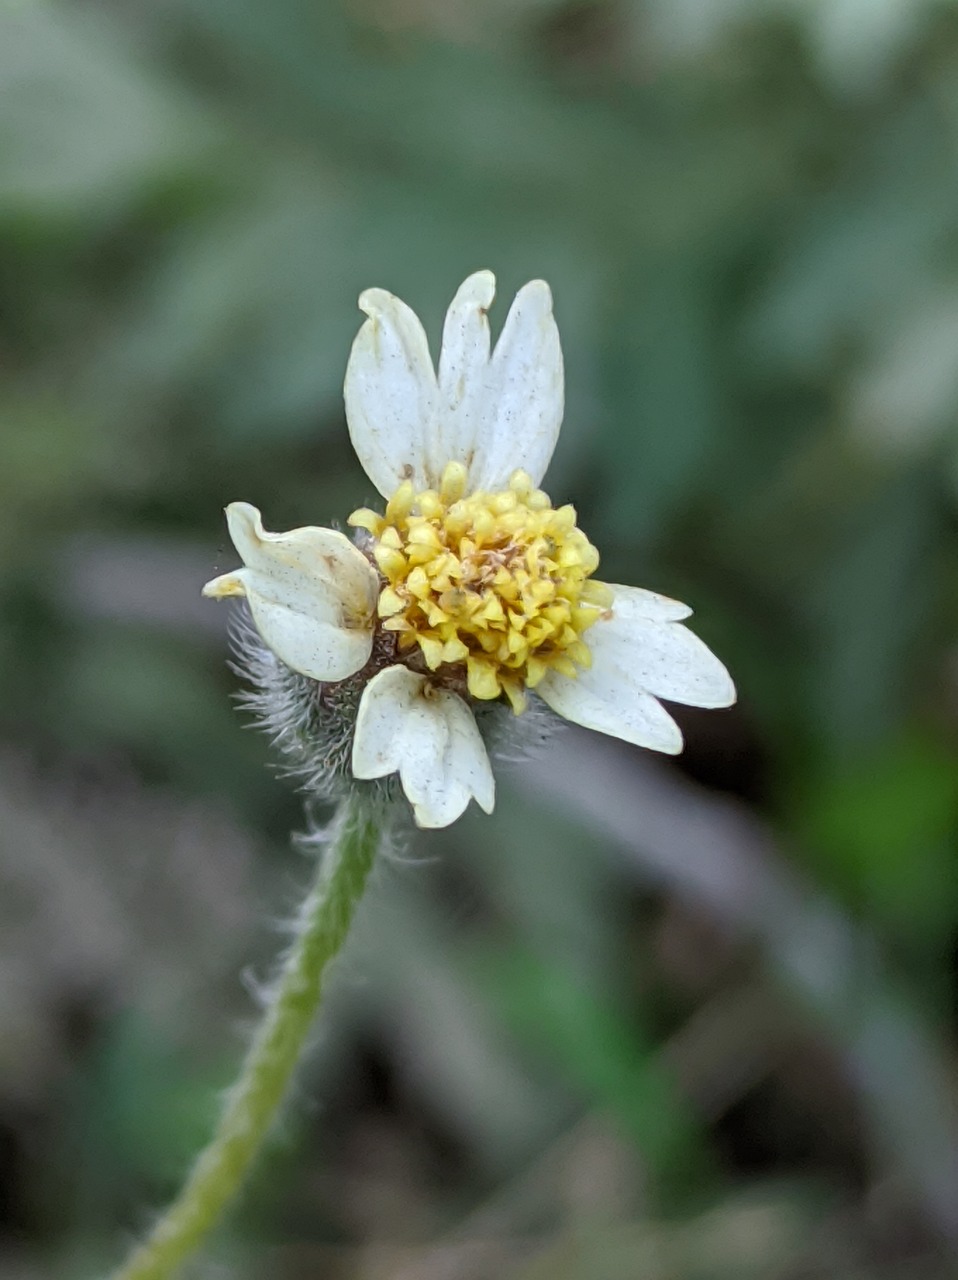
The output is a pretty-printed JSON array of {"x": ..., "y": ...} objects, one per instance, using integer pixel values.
[{"x": 253, "y": 1101}]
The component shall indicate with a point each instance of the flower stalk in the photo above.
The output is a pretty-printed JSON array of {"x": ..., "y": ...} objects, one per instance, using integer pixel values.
[{"x": 254, "y": 1100}]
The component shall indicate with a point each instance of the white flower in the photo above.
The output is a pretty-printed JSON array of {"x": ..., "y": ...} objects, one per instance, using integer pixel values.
[{"x": 486, "y": 589}]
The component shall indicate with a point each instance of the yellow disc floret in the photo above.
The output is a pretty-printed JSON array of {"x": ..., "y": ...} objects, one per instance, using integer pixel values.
[{"x": 496, "y": 583}]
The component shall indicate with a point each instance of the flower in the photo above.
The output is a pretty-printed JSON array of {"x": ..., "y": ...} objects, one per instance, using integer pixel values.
[{"x": 483, "y": 590}]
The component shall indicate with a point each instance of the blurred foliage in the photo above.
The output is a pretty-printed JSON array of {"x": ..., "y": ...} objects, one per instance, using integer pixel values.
[{"x": 564, "y": 1043}]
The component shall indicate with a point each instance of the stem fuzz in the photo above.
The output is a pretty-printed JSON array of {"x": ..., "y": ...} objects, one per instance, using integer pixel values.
[{"x": 252, "y": 1103}]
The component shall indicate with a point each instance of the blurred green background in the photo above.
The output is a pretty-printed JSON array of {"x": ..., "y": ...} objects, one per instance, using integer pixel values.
[{"x": 659, "y": 1019}]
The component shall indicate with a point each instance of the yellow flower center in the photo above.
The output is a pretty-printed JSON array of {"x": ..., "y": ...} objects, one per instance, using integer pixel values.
[{"x": 495, "y": 582}]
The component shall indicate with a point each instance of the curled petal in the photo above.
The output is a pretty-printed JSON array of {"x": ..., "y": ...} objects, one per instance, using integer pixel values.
[
  {"x": 429, "y": 736},
  {"x": 640, "y": 652},
  {"x": 391, "y": 394},
  {"x": 312, "y": 594}
]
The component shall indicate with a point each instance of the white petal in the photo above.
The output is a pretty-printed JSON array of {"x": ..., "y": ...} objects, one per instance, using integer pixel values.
[
  {"x": 391, "y": 394},
  {"x": 320, "y": 650},
  {"x": 463, "y": 368},
  {"x": 312, "y": 594},
  {"x": 515, "y": 413},
  {"x": 666, "y": 658},
  {"x": 635, "y": 602},
  {"x": 427, "y": 735},
  {"x": 606, "y": 699},
  {"x": 496, "y": 414},
  {"x": 640, "y": 652},
  {"x": 310, "y": 562}
]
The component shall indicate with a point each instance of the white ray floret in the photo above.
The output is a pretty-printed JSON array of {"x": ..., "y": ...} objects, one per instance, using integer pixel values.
[
  {"x": 391, "y": 394},
  {"x": 312, "y": 594},
  {"x": 429, "y": 736},
  {"x": 495, "y": 414},
  {"x": 640, "y": 653}
]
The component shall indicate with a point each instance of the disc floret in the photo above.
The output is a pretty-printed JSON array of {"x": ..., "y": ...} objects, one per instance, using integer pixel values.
[{"x": 496, "y": 584}]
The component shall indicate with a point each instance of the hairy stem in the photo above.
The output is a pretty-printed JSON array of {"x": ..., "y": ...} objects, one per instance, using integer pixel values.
[{"x": 253, "y": 1101}]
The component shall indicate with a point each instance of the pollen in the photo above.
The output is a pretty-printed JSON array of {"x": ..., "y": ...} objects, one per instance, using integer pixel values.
[{"x": 490, "y": 587}]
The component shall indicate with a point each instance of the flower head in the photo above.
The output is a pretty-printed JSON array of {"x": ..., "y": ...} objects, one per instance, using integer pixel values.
[{"x": 470, "y": 588}]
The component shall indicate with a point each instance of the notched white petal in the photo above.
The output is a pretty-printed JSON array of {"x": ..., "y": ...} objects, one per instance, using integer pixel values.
[
  {"x": 517, "y": 421},
  {"x": 495, "y": 413},
  {"x": 312, "y": 594},
  {"x": 640, "y": 652},
  {"x": 429, "y": 736},
  {"x": 391, "y": 393}
]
